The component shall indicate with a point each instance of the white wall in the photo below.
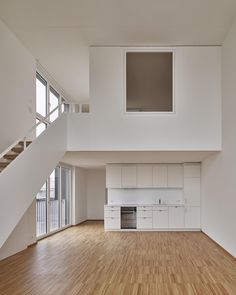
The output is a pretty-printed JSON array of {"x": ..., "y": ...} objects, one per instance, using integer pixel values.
[
  {"x": 219, "y": 171},
  {"x": 96, "y": 193},
  {"x": 17, "y": 88},
  {"x": 79, "y": 183},
  {"x": 196, "y": 125},
  {"x": 23, "y": 235}
]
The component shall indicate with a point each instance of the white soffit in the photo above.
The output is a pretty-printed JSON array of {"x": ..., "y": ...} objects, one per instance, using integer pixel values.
[{"x": 100, "y": 159}]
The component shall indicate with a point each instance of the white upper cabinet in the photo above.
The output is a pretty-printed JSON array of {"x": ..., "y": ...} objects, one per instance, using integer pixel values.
[
  {"x": 160, "y": 176},
  {"x": 113, "y": 176},
  {"x": 175, "y": 176},
  {"x": 129, "y": 176},
  {"x": 192, "y": 191},
  {"x": 144, "y": 176}
]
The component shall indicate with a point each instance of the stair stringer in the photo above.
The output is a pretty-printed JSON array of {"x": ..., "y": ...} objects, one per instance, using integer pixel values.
[{"x": 22, "y": 179}]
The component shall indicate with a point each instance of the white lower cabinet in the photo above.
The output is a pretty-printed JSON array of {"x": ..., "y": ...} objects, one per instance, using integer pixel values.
[
  {"x": 176, "y": 217},
  {"x": 160, "y": 218},
  {"x": 156, "y": 217},
  {"x": 112, "y": 223},
  {"x": 144, "y": 222},
  {"x": 192, "y": 217},
  {"x": 112, "y": 217}
]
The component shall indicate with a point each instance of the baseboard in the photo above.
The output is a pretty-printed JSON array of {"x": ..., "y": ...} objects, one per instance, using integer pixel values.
[
  {"x": 33, "y": 244},
  {"x": 81, "y": 222},
  {"x": 222, "y": 248},
  {"x": 86, "y": 221},
  {"x": 95, "y": 220}
]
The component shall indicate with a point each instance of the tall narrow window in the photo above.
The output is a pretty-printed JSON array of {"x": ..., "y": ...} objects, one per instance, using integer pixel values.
[
  {"x": 149, "y": 82},
  {"x": 41, "y": 211},
  {"x": 65, "y": 196},
  {"x": 54, "y": 200},
  {"x": 53, "y": 103},
  {"x": 41, "y": 96}
]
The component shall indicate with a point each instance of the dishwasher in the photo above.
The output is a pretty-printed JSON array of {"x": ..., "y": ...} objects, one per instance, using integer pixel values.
[{"x": 128, "y": 218}]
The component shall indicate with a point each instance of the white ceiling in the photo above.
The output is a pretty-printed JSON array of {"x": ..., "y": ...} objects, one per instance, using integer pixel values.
[
  {"x": 100, "y": 159},
  {"x": 59, "y": 32}
]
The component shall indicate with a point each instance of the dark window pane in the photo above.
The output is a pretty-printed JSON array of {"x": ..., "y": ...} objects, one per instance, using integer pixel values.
[{"x": 149, "y": 82}]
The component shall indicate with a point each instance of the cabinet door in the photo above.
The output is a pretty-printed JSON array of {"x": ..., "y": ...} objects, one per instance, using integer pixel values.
[
  {"x": 112, "y": 213},
  {"x": 112, "y": 223},
  {"x": 144, "y": 213},
  {"x": 159, "y": 176},
  {"x": 192, "y": 191},
  {"x": 175, "y": 176},
  {"x": 129, "y": 176},
  {"x": 144, "y": 176},
  {"x": 113, "y": 176},
  {"x": 176, "y": 217},
  {"x": 160, "y": 219},
  {"x": 144, "y": 223},
  {"x": 192, "y": 217}
]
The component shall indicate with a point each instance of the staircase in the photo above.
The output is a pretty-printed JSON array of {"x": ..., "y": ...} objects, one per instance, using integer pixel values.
[
  {"x": 24, "y": 168},
  {"x": 13, "y": 153}
]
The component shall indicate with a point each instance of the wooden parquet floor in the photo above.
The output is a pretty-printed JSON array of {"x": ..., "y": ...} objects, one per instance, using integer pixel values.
[{"x": 86, "y": 260}]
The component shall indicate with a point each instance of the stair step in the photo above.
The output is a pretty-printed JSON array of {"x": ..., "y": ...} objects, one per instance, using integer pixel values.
[
  {"x": 10, "y": 156},
  {"x": 27, "y": 143},
  {"x": 4, "y": 164},
  {"x": 17, "y": 150}
]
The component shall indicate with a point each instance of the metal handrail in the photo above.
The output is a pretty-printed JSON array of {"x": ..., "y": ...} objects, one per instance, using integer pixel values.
[{"x": 23, "y": 138}]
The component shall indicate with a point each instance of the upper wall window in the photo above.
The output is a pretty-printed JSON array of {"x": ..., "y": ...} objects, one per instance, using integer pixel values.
[
  {"x": 41, "y": 95},
  {"x": 149, "y": 82}
]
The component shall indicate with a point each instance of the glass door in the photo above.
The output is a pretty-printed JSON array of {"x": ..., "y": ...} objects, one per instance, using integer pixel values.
[
  {"x": 41, "y": 211},
  {"x": 65, "y": 196},
  {"x": 53, "y": 202}
]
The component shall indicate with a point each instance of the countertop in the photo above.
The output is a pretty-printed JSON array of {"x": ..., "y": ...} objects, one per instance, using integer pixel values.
[{"x": 150, "y": 205}]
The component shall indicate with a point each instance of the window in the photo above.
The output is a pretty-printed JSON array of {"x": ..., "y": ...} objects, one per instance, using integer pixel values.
[
  {"x": 53, "y": 202},
  {"x": 41, "y": 211},
  {"x": 41, "y": 96},
  {"x": 149, "y": 82},
  {"x": 53, "y": 103},
  {"x": 47, "y": 99},
  {"x": 65, "y": 195}
]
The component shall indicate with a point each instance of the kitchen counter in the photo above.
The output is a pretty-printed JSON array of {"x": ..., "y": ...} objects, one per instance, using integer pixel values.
[{"x": 150, "y": 205}]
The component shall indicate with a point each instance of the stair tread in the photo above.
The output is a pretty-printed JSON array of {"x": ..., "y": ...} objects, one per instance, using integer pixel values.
[
  {"x": 4, "y": 164},
  {"x": 17, "y": 149},
  {"x": 10, "y": 156}
]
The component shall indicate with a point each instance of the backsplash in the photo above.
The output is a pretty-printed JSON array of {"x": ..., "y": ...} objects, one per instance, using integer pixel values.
[{"x": 145, "y": 196}]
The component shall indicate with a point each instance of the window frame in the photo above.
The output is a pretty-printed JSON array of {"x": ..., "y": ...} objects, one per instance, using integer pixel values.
[
  {"x": 146, "y": 50},
  {"x": 61, "y": 98},
  {"x": 49, "y": 231}
]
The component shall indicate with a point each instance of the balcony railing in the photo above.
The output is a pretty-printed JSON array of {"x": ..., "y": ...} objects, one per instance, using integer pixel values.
[{"x": 54, "y": 215}]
